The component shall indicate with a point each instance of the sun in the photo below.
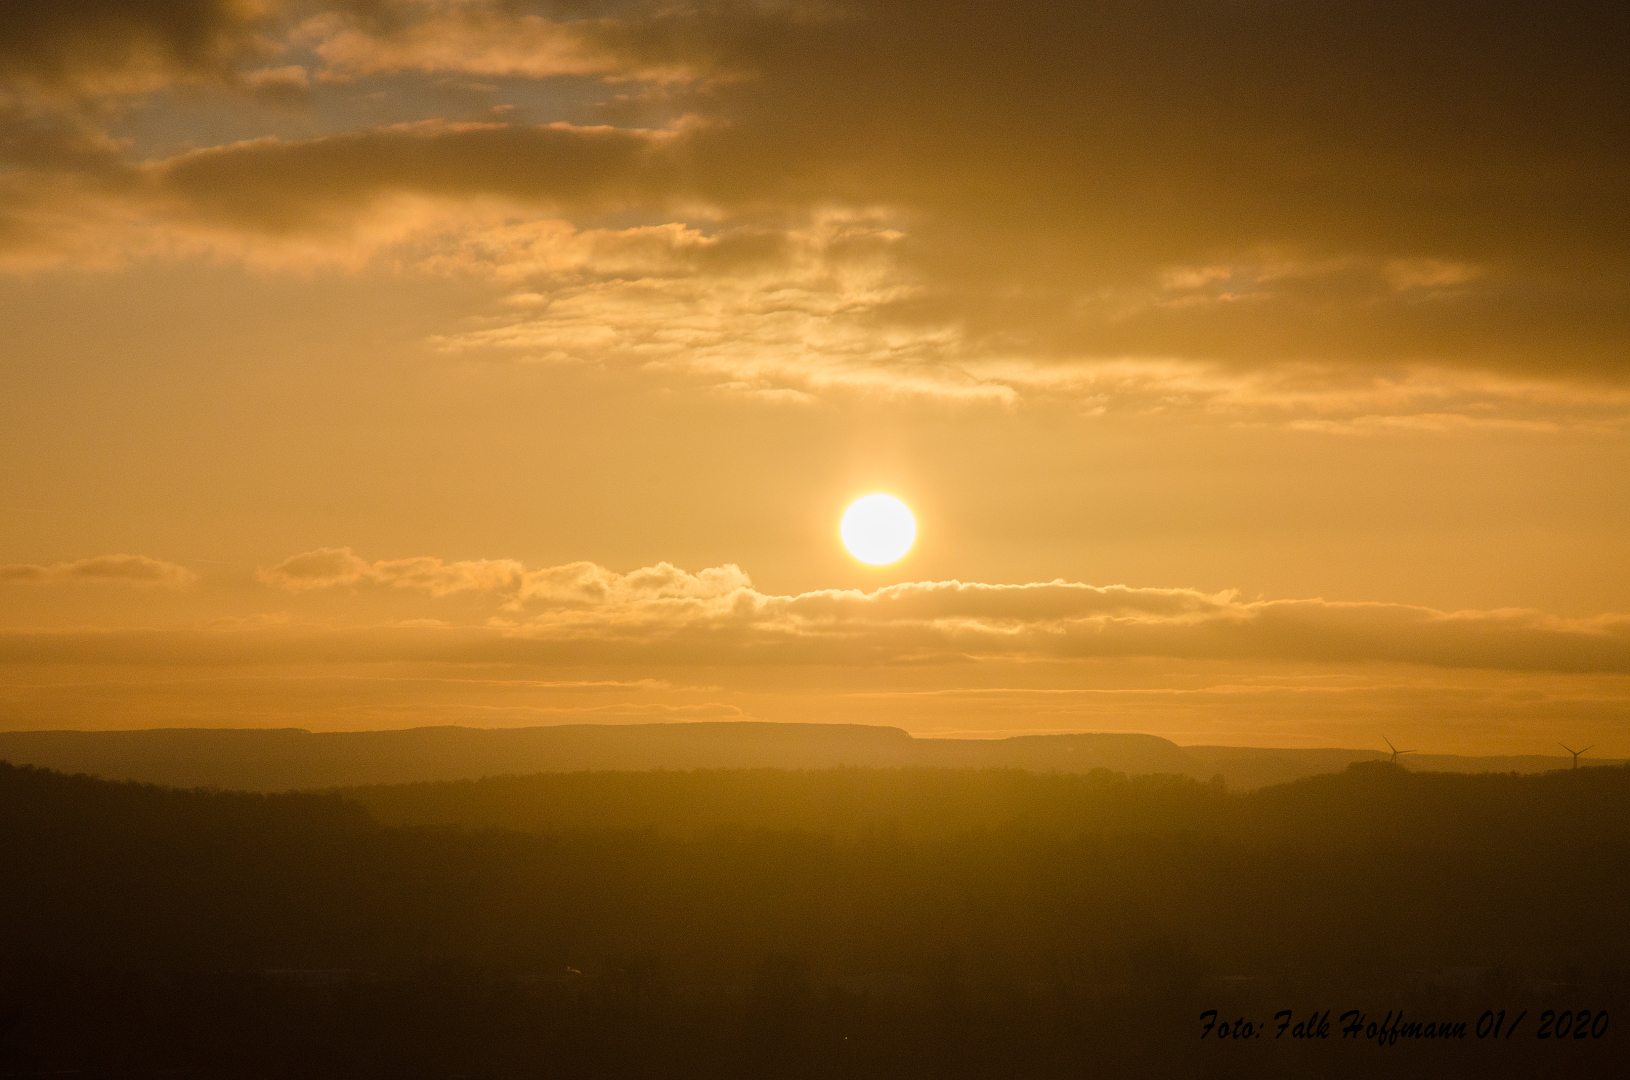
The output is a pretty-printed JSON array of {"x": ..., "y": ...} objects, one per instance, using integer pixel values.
[{"x": 878, "y": 529}]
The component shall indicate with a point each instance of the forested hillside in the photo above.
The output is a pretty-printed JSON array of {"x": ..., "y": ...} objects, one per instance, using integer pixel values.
[{"x": 707, "y": 921}]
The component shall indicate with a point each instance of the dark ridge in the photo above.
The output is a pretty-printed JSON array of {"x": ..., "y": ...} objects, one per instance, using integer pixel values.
[{"x": 289, "y": 758}]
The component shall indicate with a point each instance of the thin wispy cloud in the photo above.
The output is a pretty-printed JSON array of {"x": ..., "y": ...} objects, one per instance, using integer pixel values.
[{"x": 100, "y": 570}]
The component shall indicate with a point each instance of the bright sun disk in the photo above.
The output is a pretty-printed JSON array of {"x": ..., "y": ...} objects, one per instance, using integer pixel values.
[{"x": 878, "y": 529}]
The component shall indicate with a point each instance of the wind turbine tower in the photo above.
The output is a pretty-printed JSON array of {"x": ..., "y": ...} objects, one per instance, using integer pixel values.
[{"x": 1397, "y": 752}]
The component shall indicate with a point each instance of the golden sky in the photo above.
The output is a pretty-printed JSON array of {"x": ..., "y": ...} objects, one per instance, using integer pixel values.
[{"x": 1258, "y": 372}]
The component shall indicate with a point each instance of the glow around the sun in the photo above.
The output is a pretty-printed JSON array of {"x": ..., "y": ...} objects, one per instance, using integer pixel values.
[{"x": 878, "y": 529}]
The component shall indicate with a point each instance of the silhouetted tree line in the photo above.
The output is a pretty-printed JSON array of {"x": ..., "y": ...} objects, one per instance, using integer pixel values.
[{"x": 827, "y": 923}]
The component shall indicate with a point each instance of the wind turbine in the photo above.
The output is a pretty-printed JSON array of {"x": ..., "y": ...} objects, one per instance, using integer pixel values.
[
  {"x": 1396, "y": 751},
  {"x": 1574, "y": 752}
]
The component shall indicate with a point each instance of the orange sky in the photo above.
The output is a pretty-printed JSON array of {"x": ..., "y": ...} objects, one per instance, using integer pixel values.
[{"x": 1256, "y": 372}]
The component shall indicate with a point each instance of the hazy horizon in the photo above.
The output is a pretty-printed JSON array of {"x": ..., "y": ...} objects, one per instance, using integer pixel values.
[{"x": 976, "y": 735}]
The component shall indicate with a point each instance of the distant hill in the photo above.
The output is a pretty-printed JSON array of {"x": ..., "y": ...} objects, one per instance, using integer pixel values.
[
  {"x": 1251, "y": 767},
  {"x": 286, "y": 758}
]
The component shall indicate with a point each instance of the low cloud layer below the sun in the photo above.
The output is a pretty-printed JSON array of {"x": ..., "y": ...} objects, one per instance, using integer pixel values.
[
  {"x": 583, "y": 643},
  {"x": 585, "y": 613},
  {"x": 715, "y": 616}
]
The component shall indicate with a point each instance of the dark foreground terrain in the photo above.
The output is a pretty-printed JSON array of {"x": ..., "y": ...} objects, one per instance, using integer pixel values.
[{"x": 830, "y": 923}]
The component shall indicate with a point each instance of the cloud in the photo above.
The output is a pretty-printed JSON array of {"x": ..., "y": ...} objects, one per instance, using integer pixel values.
[
  {"x": 586, "y": 584},
  {"x": 836, "y": 305},
  {"x": 95, "y": 48},
  {"x": 101, "y": 569},
  {"x": 320, "y": 569},
  {"x": 586, "y": 613},
  {"x": 1363, "y": 218},
  {"x": 481, "y": 39},
  {"x": 574, "y": 585},
  {"x": 274, "y": 184},
  {"x": 799, "y": 309},
  {"x": 327, "y": 568},
  {"x": 953, "y": 621},
  {"x": 289, "y": 83},
  {"x": 921, "y": 623}
]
